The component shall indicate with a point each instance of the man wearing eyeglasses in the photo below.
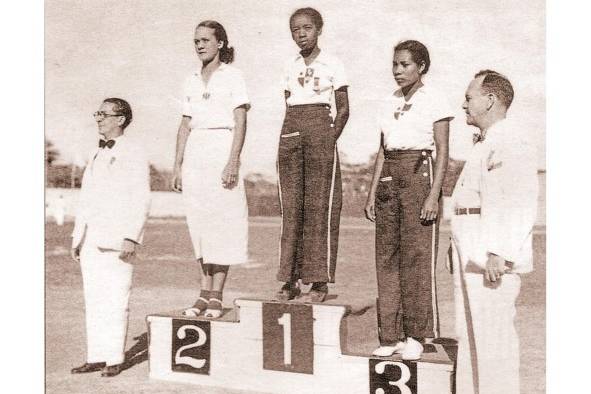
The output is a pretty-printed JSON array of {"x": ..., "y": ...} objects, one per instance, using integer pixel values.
[{"x": 112, "y": 209}]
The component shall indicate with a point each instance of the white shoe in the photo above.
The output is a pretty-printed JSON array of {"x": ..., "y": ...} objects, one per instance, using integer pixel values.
[
  {"x": 413, "y": 350},
  {"x": 387, "y": 351}
]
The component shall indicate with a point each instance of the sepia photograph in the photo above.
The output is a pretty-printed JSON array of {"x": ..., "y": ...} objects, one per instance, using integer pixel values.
[{"x": 273, "y": 196}]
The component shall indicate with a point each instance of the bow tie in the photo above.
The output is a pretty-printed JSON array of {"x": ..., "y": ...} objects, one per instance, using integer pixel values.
[
  {"x": 109, "y": 144},
  {"x": 477, "y": 137}
]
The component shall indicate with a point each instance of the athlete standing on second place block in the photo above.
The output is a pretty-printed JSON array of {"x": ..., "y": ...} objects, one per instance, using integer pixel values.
[
  {"x": 207, "y": 163},
  {"x": 308, "y": 164}
]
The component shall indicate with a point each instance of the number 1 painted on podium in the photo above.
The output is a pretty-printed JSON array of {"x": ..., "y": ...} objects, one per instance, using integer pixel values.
[{"x": 285, "y": 321}]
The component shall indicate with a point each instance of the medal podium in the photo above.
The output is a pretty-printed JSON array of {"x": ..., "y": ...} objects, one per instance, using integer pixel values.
[{"x": 287, "y": 347}]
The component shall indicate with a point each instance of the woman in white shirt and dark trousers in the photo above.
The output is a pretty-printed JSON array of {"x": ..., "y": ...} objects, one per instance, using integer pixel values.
[
  {"x": 308, "y": 164},
  {"x": 404, "y": 202},
  {"x": 207, "y": 162}
]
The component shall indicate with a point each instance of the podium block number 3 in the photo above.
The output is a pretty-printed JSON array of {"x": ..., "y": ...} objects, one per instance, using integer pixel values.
[
  {"x": 392, "y": 377},
  {"x": 288, "y": 338},
  {"x": 191, "y": 347}
]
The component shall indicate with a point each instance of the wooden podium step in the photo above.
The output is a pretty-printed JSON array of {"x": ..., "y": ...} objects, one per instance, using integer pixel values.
[{"x": 284, "y": 348}]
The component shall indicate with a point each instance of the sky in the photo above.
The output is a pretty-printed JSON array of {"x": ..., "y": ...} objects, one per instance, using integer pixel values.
[{"x": 142, "y": 51}]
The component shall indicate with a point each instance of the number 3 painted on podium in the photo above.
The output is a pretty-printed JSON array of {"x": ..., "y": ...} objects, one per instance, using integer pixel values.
[
  {"x": 181, "y": 334},
  {"x": 405, "y": 376}
]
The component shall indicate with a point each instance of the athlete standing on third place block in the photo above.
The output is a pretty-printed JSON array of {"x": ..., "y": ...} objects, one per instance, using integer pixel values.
[
  {"x": 308, "y": 164},
  {"x": 404, "y": 202}
]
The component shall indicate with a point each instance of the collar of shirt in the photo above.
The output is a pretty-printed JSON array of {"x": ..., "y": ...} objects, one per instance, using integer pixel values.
[
  {"x": 321, "y": 58},
  {"x": 397, "y": 95},
  {"x": 222, "y": 67}
]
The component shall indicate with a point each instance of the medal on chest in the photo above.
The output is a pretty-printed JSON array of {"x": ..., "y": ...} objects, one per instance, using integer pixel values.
[{"x": 401, "y": 110}]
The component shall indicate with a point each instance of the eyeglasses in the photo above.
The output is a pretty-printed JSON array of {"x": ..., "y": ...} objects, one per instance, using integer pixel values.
[{"x": 103, "y": 114}]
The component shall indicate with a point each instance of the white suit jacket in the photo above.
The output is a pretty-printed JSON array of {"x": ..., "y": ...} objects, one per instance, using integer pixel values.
[
  {"x": 508, "y": 193},
  {"x": 114, "y": 199}
]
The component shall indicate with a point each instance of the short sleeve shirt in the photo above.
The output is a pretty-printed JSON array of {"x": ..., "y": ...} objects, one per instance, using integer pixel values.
[
  {"x": 408, "y": 125},
  {"x": 314, "y": 83},
  {"x": 211, "y": 105}
]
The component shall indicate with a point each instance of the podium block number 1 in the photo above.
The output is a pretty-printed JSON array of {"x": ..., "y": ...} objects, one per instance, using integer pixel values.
[{"x": 288, "y": 338}]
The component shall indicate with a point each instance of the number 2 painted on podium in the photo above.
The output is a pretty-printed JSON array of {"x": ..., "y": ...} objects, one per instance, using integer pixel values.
[
  {"x": 191, "y": 347},
  {"x": 285, "y": 321},
  {"x": 202, "y": 338}
]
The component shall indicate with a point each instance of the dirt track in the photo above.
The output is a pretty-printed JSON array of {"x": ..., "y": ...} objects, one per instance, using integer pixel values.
[{"x": 166, "y": 279}]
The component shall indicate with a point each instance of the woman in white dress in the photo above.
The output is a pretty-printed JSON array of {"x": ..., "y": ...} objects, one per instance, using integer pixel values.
[{"x": 207, "y": 162}]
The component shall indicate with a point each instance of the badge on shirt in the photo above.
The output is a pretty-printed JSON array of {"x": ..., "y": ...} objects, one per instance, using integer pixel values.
[{"x": 400, "y": 111}]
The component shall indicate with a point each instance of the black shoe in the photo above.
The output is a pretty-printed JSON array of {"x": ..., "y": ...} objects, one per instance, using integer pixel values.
[
  {"x": 288, "y": 291},
  {"x": 88, "y": 367},
  {"x": 317, "y": 293},
  {"x": 112, "y": 370}
]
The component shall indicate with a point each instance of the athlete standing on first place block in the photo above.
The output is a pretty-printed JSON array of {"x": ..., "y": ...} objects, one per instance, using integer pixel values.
[
  {"x": 308, "y": 164},
  {"x": 207, "y": 162},
  {"x": 404, "y": 202}
]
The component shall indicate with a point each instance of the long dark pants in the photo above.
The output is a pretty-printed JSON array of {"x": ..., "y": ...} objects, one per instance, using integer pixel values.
[
  {"x": 310, "y": 193},
  {"x": 406, "y": 248}
]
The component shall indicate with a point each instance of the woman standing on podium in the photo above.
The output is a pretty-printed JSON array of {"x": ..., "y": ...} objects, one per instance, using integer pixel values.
[
  {"x": 308, "y": 164},
  {"x": 404, "y": 202},
  {"x": 207, "y": 162}
]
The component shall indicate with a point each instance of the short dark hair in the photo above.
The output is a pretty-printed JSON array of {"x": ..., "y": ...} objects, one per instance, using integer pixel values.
[
  {"x": 418, "y": 51},
  {"x": 121, "y": 107},
  {"x": 312, "y": 13},
  {"x": 226, "y": 51},
  {"x": 497, "y": 84}
]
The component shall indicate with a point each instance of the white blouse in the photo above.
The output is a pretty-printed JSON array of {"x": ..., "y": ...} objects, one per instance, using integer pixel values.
[
  {"x": 315, "y": 83},
  {"x": 211, "y": 105},
  {"x": 409, "y": 125}
]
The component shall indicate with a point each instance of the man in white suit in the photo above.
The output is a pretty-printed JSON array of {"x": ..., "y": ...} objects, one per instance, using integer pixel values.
[
  {"x": 112, "y": 209},
  {"x": 495, "y": 205}
]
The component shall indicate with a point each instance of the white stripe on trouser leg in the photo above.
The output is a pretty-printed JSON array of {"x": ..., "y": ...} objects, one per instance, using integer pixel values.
[
  {"x": 433, "y": 263},
  {"x": 280, "y": 208},
  {"x": 107, "y": 286},
  {"x": 330, "y": 198}
]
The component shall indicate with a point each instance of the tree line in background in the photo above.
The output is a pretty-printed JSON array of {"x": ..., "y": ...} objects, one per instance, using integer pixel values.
[{"x": 261, "y": 191}]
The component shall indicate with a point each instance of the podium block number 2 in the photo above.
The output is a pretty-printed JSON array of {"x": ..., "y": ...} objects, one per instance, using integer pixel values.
[
  {"x": 191, "y": 347},
  {"x": 288, "y": 338}
]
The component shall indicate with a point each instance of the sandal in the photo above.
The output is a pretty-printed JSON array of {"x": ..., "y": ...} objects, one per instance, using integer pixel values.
[
  {"x": 214, "y": 308},
  {"x": 197, "y": 308}
]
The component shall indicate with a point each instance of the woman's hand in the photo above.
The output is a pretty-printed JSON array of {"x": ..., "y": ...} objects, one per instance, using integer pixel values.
[
  {"x": 370, "y": 212},
  {"x": 177, "y": 180},
  {"x": 230, "y": 174},
  {"x": 430, "y": 209}
]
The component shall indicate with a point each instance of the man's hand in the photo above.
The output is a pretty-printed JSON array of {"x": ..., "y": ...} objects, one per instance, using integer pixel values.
[
  {"x": 495, "y": 267},
  {"x": 127, "y": 250},
  {"x": 75, "y": 254}
]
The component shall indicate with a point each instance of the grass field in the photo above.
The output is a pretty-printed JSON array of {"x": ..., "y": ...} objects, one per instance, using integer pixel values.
[{"x": 166, "y": 278}]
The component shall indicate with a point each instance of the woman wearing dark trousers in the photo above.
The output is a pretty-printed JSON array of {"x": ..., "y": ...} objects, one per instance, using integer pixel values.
[
  {"x": 308, "y": 164},
  {"x": 404, "y": 202}
]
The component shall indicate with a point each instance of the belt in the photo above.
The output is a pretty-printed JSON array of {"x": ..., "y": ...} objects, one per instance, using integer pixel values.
[
  {"x": 309, "y": 106},
  {"x": 467, "y": 211}
]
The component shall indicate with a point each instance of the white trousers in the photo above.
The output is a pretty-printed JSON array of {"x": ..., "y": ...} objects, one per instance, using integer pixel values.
[
  {"x": 488, "y": 345},
  {"x": 107, "y": 286}
]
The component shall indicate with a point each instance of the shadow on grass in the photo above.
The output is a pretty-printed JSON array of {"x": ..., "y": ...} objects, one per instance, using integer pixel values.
[{"x": 138, "y": 353}]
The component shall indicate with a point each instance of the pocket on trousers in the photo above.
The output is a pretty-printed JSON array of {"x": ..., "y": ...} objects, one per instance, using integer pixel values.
[{"x": 384, "y": 190}]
